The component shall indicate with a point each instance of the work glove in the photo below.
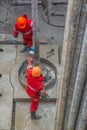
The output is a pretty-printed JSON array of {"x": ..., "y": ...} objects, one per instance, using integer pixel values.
[
  {"x": 14, "y": 41},
  {"x": 47, "y": 98},
  {"x": 31, "y": 50}
]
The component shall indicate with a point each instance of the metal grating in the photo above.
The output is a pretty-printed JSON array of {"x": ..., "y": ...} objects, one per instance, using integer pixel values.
[
  {"x": 19, "y": 2},
  {"x": 23, "y": 1}
]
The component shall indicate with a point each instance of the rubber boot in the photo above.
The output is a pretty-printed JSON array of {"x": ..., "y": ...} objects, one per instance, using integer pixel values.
[
  {"x": 24, "y": 49},
  {"x": 34, "y": 116}
]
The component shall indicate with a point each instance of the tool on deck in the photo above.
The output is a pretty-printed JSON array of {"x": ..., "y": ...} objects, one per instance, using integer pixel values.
[
  {"x": 16, "y": 54},
  {"x": 14, "y": 41}
]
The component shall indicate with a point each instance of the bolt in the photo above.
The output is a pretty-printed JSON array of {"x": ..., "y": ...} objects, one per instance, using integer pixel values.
[
  {"x": 52, "y": 13},
  {"x": 0, "y": 94},
  {"x": 52, "y": 50},
  {"x": 0, "y": 75},
  {"x": 1, "y": 49},
  {"x": 52, "y": 38},
  {"x": 50, "y": 77}
]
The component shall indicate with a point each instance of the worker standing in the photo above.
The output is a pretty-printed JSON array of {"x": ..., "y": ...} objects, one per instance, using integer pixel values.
[
  {"x": 35, "y": 88},
  {"x": 24, "y": 25}
]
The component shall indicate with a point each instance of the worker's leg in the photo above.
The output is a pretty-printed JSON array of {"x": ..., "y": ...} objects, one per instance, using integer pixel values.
[
  {"x": 25, "y": 48},
  {"x": 25, "y": 43},
  {"x": 34, "y": 103},
  {"x": 34, "y": 107}
]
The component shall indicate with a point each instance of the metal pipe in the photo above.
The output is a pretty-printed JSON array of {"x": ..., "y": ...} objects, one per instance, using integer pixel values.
[
  {"x": 79, "y": 84},
  {"x": 77, "y": 52},
  {"x": 82, "y": 118},
  {"x": 34, "y": 4},
  {"x": 72, "y": 21}
]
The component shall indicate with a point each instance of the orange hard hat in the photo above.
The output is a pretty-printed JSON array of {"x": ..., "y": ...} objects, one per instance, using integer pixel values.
[
  {"x": 36, "y": 71},
  {"x": 21, "y": 22}
]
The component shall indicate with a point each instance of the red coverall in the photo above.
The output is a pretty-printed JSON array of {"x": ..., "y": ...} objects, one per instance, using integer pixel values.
[
  {"x": 33, "y": 88},
  {"x": 27, "y": 32}
]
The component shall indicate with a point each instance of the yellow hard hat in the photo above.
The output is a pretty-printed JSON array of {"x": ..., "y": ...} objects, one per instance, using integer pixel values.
[
  {"x": 21, "y": 22},
  {"x": 36, "y": 71}
]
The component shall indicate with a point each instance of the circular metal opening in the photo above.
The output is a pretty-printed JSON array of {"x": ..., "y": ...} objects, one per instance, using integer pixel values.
[{"x": 49, "y": 72}]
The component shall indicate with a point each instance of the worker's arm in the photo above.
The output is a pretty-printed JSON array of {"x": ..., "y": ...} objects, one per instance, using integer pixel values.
[
  {"x": 30, "y": 61},
  {"x": 44, "y": 95},
  {"x": 30, "y": 66},
  {"x": 15, "y": 32}
]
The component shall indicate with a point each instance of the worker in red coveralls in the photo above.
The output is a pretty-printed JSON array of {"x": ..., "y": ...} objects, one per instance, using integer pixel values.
[
  {"x": 35, "y": 88},
  {"x": 23, "y": 25}
]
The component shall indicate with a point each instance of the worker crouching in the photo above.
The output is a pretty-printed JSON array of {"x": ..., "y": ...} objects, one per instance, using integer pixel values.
[
  {"x": 35, "y": 88},
  {"x": 24, "y": 25}
]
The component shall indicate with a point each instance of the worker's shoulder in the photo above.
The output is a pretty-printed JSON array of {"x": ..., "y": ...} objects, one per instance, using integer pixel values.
[{"x": 29, "y": 21}]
